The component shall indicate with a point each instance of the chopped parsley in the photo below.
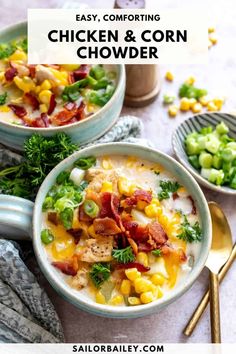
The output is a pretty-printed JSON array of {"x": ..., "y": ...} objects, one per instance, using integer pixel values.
[
  {"x": 190, "y": 233},
  {"x": 167, "y": 187},
  {"x": 3, "y": 98},
  {"x": 156, "y": 253},
  {"x": 124, "y": 255},
  {"x": 100, "y": 272}
]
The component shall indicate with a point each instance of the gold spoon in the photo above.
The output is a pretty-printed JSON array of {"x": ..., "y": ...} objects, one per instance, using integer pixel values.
[{"x": 221, "y": 248}]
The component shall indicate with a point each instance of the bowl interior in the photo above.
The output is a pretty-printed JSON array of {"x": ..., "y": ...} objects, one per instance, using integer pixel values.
[
  {"x": 195, "y": 123},
  {"x": 78, "y": 298}
]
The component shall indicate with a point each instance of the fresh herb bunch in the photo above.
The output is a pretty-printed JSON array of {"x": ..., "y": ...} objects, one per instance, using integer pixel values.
[
  {"x": 124, "y": 255},
  {"x": 191, "y": 91},
  {"x": 167, "y": 187},
  {"x": 190, "y": 233},
  {"x": 3, "y": 98},
  {"x": 100, "y": 272},
  {"x": 41, "y": 155}
]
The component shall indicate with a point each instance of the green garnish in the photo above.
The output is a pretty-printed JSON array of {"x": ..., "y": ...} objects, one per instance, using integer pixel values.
[
  {"x": 124, "y": 255},
  {"x": 167, "y": 187},
  {"x": 71, "y": 93},
  {"x": 85, "y": 162},
  {"x": 91, "y": 208},
  {"x": 190, "y": 233},
  {"x": 41, "y": 155},
  {"x": 167, "y": 99},
  {"x": 101, "y": 96},
  {"x": 7, "y": 49},
  {"x": 46, "y": 236},
  {"x": 100, "y": 272},
  {"x": 191, "y": 91},
  {"x": 156, "y": 253},
  {"x": 66, "y": 217},
  {"x": 3, "y": 98}
]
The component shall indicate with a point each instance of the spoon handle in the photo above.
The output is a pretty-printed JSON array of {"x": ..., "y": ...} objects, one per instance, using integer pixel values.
[
  {"x": 204, "y": 302},
  {"x": 215, "y": 308}
]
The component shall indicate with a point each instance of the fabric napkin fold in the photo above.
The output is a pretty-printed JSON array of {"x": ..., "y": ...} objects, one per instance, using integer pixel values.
[{"x": 26, "y": 313}]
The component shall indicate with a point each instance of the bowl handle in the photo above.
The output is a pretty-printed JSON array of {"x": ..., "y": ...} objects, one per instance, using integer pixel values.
[{"x": 15, "y": 218}]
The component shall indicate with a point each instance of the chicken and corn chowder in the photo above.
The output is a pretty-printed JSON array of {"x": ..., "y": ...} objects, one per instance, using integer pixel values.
[
  {"x": 120, "y": 229},
  {"x": 42, "y": 96}
]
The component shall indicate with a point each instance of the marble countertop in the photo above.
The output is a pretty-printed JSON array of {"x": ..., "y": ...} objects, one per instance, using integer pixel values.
[{"x": 219, "y": 77}]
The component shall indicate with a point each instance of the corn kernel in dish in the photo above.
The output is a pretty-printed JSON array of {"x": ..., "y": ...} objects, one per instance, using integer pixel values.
[{"x": 169, "y": 76}]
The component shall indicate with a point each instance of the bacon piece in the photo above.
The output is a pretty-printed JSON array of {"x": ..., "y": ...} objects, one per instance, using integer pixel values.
[
  {"x": 63, "y": 117},
  {"x": 106, "y": 226},
  {"x": 70, "y": 106},
  {"x": 145, "y": 247},
  {"x": 67, "y": 268},
  {"x": 10, "y": 73},
  {"x": 82, "y": 216},
  {"x": 32, "y": 70},
  {"x": 80, "y": 114},
  {"x": 40, "y": 122},
  {"x": 135, "y": 231},
  {"x": 134, "y": 245},
  {"x": 52, "y": 217},
  {"x": 175, "y": 196},
  {"x": 76, "y": 233},
  {"x": 106, "y": 205},
  {"x": 31, "y": 100},
  {"x": 194, "y": 209},
  {"x": 52, "y": 104},
  {"x": 18, "y": 110},
  {"x": 140, "y": 267},
  {"x": 139, "y": 195},
  {"x": 80, "y": 73},
  {"x": 71, "y": 79},
  {"x": 156, "y": 234}
]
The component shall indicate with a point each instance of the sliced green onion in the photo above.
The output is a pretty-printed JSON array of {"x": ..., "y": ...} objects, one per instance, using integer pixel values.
[
  {"x": 91, "y": 208},
  {"x": 46, "y": 236}
]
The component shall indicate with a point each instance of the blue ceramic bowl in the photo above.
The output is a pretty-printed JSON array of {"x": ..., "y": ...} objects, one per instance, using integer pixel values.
[
  {"x": 81, "y": 132},
  {"x": 15, "y": 214},
  {"x": 193, "y": 124}
]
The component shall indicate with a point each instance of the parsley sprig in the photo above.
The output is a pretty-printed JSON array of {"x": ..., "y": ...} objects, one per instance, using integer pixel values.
[
  {"x": 156, "y": 253},
  {"x": 3, "y": 98},
  {"x": 124, "y": 255},
  {"x": 167, "y": 187},
  {"x": 190, "y": 233},
  {"x": 100, "y": 272}
]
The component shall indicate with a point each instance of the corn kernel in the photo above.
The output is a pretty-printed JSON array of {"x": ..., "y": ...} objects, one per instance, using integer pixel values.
[
  {"x": 100, "y": 298},
  {"x": 151, "y": 211},
  {"x": 106, "y": 163},
  {"x": 204, "y": 100},
  {"x": 2, "y": 76},
  {"x": 18, "y": 55},
  {"x": 60, "y": 76},
  {"x": 132, "y": 274},
  {"x": 37, "y": 89},
  {"x": 141, "y": 285},
  {"x": 169, "y": 76},
  {"x": 146, "y": 297},
  {"x": 46, "y": 85},
  {"x": 191, "y": 80},
  {"x": 211, "y": 29},
  {"x": 211, "y": 107},
  {"x": 45, "y": 96},
  {"x": 192, "y": 102},
  {"x": 25, "y": 84},
  {"x": 125, "y": 287},
  {"x": 142, "y": 258},
  {"x": 116, "y": 300},
  {"x": 184, "y": 104},
  {"x": 43, "y": 108},
  {"x": 219, "y": 101},
  {"x": 209, "y": 44},
  {"x": 125, "y": 187},
  {"x": 132, "y": 188},
  {"x": 133, "y": 300},
  {"x": 197, "y": 107},
  {"x": 70, "y": 67},
  {"x": 106, "y": 187},
  {"x": 173, "y": 110},
  {"x": 163, "y": 220},
  {"x": 141, "y": 205},
  {"x": 158, "y": 279},
  {"x": 4, "y": 109},
  {"x": 155, "y": 201},
  {"x": 160, "y": 293},
  {"x": 213, "y": 38}
]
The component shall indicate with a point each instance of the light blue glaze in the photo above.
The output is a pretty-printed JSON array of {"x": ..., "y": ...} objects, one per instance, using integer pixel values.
[
  {"x": 81, "y": 132},
  {"x": 74, "y": 296}
]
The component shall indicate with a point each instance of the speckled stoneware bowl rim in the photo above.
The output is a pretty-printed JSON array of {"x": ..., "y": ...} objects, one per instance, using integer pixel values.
[
  {"x": 186, "y": 164},
  {"x": 122, "y": 149},
  {"x": 121, "y": 78}
]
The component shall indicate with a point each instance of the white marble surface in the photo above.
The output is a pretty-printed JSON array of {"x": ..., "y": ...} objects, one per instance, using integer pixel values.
[{"x": 219, "y": 76}]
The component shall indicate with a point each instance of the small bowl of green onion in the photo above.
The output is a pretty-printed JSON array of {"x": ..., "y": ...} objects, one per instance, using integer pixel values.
[{"x": 206, "y": 145}]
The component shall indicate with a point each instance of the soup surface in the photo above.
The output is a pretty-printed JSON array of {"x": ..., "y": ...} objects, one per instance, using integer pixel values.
[
  {"x": 121, "y": 230},
  {"x": 43, "y": 96}
]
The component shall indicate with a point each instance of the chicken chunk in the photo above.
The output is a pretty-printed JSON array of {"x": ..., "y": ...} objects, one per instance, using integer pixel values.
[
  {"x": 96, "y": 250},
  {"x": 80, "y": 280},
  {"x": 97, "y": 176}
]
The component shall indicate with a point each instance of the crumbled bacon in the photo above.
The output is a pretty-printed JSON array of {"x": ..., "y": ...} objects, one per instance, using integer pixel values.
[
  {"x": 67, "y": 268},
  {"x": 175, "y": 196},
  {"x": 106, "y": 226},
  {"x": 106, "y": 205},
  {"x": 18, "y": 110},
  {"x": 139, "y": 195},
  {"x": 82, "y": 216},
  {"x": 31, "y": 100},
  {"x": 140, "y": 267},
  {"x": 32, "y": 70},
  {"x": 10, "y": 73},
  {"x": 194, "y": 209},
  {"x": 145, "y": 247},
  {"x": 156, "y": 233},
  {"x": 80, "y": 73},
  {"x": 52, "y": 104},
  {"x": 40, "y": 122},
  {"x": 64, "y": 116},
  {"x": 76, "y": 233},
  {"x": 70, "y": 106},
  {"x": 52, "y": 217},
  {"x": 136, "y": 231}
]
